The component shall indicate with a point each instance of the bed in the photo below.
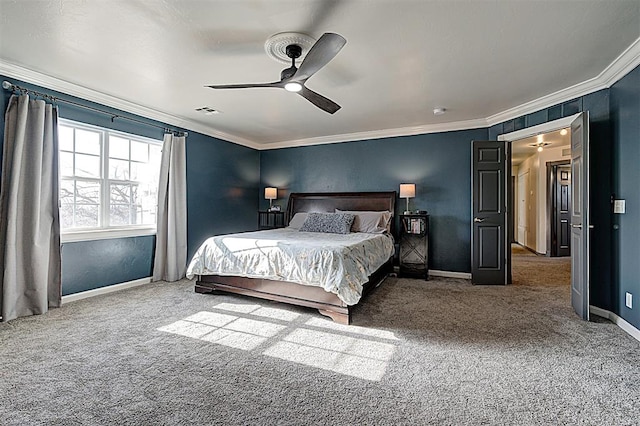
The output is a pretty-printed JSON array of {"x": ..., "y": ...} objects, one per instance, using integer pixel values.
[{"x": 333, "y": 304}]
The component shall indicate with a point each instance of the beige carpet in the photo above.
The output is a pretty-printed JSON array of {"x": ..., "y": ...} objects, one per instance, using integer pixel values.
[{"x": 528, "y": 268}]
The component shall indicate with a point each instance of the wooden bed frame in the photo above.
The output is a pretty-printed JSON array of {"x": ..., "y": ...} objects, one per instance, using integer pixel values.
[{"x": 302, "y": 295}]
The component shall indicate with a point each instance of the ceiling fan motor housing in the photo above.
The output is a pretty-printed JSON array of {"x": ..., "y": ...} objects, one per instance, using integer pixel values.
[
  {"x": 293, "y": 51},
  {"x": 288, "y": 72}
]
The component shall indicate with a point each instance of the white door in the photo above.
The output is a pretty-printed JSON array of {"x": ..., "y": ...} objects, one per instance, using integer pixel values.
[{"x": 523, "y": 217}]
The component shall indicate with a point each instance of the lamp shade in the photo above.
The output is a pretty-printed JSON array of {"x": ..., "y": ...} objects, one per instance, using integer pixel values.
[
  {"x": 407, "y": 190},
  {"x": 271, "y": 193}
]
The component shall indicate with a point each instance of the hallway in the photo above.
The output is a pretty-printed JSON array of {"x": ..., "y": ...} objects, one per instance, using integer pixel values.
[{"x": 528, "y": 268}]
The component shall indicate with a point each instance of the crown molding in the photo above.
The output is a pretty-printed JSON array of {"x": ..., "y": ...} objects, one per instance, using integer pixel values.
[
  {"x": 11, "y": 70},
  {"x": 379, "y": 134},
  {"x": 621, "y": 66}
]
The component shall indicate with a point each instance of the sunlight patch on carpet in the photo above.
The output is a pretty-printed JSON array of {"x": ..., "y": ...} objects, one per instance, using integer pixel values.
[
  {"x": 350, "y": 350},
  {"x": 350, "y": 365},
  {"x": 382, "y": 334},
  {"x": 352, "y": 356}
]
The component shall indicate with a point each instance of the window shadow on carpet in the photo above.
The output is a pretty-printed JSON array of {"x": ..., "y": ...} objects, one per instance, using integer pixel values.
[{"x": 350, "y": 350}]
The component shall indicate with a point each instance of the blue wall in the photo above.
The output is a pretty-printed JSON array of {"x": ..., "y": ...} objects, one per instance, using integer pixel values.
[
  {"x": 439, "y": 164},
  {"x": 222, "y": 181},
  {"x": 93, "y": 264},
  {"x": 625, "y": 121}
]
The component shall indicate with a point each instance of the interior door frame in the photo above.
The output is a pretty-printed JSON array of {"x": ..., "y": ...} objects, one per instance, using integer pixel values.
[{"x": 550, "y": 126}]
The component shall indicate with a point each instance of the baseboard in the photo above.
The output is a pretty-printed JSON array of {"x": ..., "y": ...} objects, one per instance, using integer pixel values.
[
  {"x": 449, "y": 274},
  {"x": 620, "y": 322},
  {"x": 104, "y": 290}
]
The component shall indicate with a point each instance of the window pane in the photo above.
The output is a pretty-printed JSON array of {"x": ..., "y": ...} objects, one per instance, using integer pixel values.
[
  {"x": 118, "y": 169},
  {"x": 118, "y": 147},
  {"x": 139, "y": 151},
  {"x": 87, "y": 166},
  {"x": 119, "y": 215},
  {"x": 119, "y": 194},
  {"x": 86, "y": 216},
  {"x": 66, "y": 194},
  {"x": 145, "y": 215},
  {"x": 155, "y": 152},
  {"x": 139, "y": 171},
  {"x": 65, "y": 138},
  {"x": 66, "y": 216},
  {"x": 87, "y": 142},
  {"x": 147, "y": 201},
  {"x": 87, "y": 192},
  {"x": 66, "y": 164}
]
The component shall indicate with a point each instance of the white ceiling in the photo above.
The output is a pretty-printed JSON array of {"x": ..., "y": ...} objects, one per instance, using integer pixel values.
[
  {"x": 477, "y": 59},
  {"x": 525, "y": 148}
]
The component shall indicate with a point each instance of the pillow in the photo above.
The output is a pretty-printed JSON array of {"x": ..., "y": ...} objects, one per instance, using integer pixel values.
[
  {"x": 334, "y": 223},
  {"x": 370, "y": 222},
  {"x": 297, "y": 220}
]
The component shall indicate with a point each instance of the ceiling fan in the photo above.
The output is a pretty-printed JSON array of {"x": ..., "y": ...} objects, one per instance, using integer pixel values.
[
  {"x": 539, "y": 145},
  {"x": 293, "y": 79}
]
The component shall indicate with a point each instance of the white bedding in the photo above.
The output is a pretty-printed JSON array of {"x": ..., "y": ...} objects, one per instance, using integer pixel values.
[{"x": 339, "y": 263}]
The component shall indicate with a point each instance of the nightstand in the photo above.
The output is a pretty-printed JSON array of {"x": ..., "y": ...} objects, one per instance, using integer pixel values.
[
  {"x": 414, "y": 245},
  {"x": 270, "y": 220}
]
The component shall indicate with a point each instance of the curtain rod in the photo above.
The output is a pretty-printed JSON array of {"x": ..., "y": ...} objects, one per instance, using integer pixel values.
[{"x": 15, "y": 88}]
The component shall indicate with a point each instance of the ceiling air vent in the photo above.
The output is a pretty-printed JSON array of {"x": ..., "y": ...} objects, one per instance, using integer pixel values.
[{"x": 207, "y": 110}]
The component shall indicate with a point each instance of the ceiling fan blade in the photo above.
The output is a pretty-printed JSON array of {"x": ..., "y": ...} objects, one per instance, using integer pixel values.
[
  {"x": 318, "y": 100},
  {"x": 325, "y": 49},
  {"x": 246, "y": 86}
]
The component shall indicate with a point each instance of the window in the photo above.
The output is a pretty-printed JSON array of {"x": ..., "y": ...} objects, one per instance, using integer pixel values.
[{"x": 108, "y": 179}]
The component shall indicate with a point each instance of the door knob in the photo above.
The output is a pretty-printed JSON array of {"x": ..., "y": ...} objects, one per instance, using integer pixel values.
[
  {"x": 576, "y": 225},
  {"x": 478, "y": 220}
]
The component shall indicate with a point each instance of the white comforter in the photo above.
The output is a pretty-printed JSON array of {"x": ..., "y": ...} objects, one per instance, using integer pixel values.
[{"x": 339, "y": 263}]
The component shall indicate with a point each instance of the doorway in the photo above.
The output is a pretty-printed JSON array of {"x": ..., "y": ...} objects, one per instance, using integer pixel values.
[
  {"x": 540, "y": 169},
  {"x": 491, "y": 186}
]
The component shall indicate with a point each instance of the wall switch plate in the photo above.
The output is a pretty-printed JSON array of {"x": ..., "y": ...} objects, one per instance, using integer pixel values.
[
  {"x": 619, "y": 206},
  {"x": 628, "y": 300}
]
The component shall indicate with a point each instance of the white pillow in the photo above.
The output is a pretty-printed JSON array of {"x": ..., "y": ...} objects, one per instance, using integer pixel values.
[
  {"x": 370, "y": 222},
  {"x": 297, "y": 220}
]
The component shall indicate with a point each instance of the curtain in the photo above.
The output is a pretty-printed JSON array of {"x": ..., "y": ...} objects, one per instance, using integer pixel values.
[
  {"x": 29, "y": 223},
  {"x": 170, "y": 261}
]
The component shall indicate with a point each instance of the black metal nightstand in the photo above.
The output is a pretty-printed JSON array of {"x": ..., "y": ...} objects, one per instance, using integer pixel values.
[
  {"x": 270, "y": 220},
  {"x": 414, "y": 245}
]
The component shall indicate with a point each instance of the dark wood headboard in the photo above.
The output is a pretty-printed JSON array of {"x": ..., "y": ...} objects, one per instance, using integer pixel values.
[{"x": 327, "y": 202}]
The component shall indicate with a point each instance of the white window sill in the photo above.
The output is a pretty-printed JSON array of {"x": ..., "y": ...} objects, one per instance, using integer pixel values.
[{"x": 105, "y": 234}]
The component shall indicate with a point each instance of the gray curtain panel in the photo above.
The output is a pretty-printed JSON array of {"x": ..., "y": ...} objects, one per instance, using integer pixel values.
[
  {"x": 170, "y": 261},
  {"x": 29, "y": 221}
]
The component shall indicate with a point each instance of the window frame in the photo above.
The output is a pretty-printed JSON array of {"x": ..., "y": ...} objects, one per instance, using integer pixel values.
[{"x": 105, "y": 230}]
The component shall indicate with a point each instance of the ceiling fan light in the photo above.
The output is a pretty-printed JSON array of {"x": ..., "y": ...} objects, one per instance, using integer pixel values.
[
  {"x": 293, "y": 87},
  {"x": 540, "y": 148}
]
